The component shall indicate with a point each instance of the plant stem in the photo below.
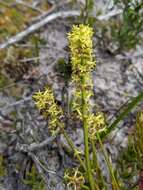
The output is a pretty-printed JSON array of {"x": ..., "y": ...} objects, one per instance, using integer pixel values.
[
  {"x": 114, "y": 182},
  {"x": 87, "y": 156},
  {"x": 70, "y": 143},
  {"x": 86, "y": 144},
  {"x": 97, "y": 167},
  {"x": 86, "y": 12}
]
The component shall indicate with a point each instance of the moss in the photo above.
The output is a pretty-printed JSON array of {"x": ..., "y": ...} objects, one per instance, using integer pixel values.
[
  {"x": 3, "y": 81},
  {"x": 2, "y": 167}
]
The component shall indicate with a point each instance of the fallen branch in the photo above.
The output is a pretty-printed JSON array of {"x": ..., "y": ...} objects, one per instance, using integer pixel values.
[
  {"x": 130, "y": 56},
  {"x": 50, "y": 10},
  {"x": 37, "y": 161},
  {"x": 40, "y": 169},
  {"x": 109, "y": 15},
  {"x": 37, "y": 26},
  {"x": 63, "y": 14},
  {"x": 29, "y": 59},
  {"x": 34, "y": 146}
]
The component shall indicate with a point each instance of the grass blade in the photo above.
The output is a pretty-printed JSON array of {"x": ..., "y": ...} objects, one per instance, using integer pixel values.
[{"x": 136, "y": 100}]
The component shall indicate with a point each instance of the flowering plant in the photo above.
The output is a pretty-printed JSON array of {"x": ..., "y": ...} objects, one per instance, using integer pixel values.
[{"x": 88, "y": 174}]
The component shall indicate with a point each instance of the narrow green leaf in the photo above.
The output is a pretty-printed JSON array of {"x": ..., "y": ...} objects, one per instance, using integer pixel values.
[{"x": 136, "y": 100}]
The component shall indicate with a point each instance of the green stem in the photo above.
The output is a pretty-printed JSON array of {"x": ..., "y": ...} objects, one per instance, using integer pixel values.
[
  {"x": 97, "y": 167},
  {"x": 115, "y": 185},
  {"x": 87, "y": 157},
  {"x": 86, "y": 12},
  {"x": 70, "y": 143},
  {"x": 86, "y": 144}
]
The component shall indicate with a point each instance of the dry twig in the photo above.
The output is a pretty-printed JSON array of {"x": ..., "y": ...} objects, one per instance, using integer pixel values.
[
  {"x": 40, "y": 169},
  {"x": 34, "y": 146},
  {"x": 130, "y": 56},
  {"x": 109, "y": 15},
  {"x": 63, "y": 14},
  {"x": 37, "y": 26}
]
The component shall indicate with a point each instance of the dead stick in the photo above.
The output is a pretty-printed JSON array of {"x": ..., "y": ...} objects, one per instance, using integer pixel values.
[
  {"x": 18, "y": 37},
  {"x": 63, "y": 14}
]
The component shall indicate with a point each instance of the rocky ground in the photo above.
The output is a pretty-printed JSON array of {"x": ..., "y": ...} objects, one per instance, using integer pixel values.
[{"x": 116, "y": 80}]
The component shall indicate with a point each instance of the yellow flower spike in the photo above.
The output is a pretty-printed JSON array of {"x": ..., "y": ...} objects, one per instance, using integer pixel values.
[
  {"x": 96, "y": 124},
  {"x": 45, "y": 102},
  {"x": 80, "y": 43}
]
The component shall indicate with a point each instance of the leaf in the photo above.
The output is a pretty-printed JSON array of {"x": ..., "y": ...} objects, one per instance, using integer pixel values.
[{"x": 125, "y": 111}]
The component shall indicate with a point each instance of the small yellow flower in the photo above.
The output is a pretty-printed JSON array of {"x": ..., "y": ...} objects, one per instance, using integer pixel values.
[
  {"x": 77, "y": 152},
  {"x": 45, "y": 102},
  {"x": 96, "y": 123},
  {"x": 74, "y": 178}
]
